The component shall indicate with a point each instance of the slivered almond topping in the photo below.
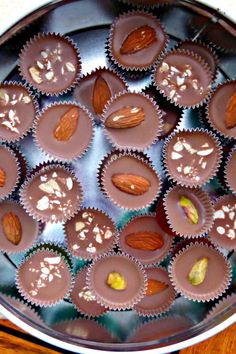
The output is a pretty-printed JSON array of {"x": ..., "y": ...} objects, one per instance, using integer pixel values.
[
  {"x": 145, "y": 240},
  {"x": 2, "y": 177},
  {"x": 101, "y": 95},
  {"x": 155, "y": 287},
  {"x": 127, "y": 117},
  {"x": 12, "y": 228},
  {"x": 67, "y": 125},
  {"x": 131, "y": 184},
  {"x": 138, "y": 39}
]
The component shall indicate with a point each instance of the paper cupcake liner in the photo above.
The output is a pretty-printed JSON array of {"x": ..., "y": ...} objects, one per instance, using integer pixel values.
[
  {"x": 150, "y": 263},
  {"x": 183, "y": 243},
  {"x": 59, "y": 36},
  {"x": 221, "y": 305},
  {"x": 82, "y": 253},
  {"x": 209, "y": 121},
  {"x": 114, "y": 155},
  {"x": 50, "y": 155},
  {"x": 36, "y": 108},
  {"x": 151, "y": 91},
  {"x": 208, "y": 48},
  {"x": 204, "y": 199},
  {"x": 108, "y": 135},
  {"x": 156, "y": 4},
  {"x": 125, "y": 305},
  {"x": 28, "y": 207},
  {"x": 24, "y": 294},
  {"x": 133, "y": 69},
  {"x": 161, "y": 309},
  {"x": 213, "y": 295},
  {"x": 18, "y": 170},
  {"x": 19, "y": 249},
  {"x": 89, "y": 313},
  {"x": 200, "y": 61},
  {"x": 110, "y": 69},
  {"x": 49, "y": 163},
  {"x": 230, "y": 188},
  {"x": 213, "y": 172}
]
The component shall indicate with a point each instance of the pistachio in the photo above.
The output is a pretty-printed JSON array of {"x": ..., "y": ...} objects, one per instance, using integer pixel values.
[
  {"x": 189, "y": 209},
  {"x": 197, "y": 274},
  {"x": 116, "y": 281}
]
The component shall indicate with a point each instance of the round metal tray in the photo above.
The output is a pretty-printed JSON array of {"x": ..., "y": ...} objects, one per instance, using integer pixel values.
[{"x": 87, "y": 22}]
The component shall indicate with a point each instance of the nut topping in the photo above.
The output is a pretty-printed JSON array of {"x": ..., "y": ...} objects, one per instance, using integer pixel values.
[
  {"x": 230, "y": 114},
  {"x": 36, "y": 75},
  {"x": 131, "y": 184},
  {"x": 138, "y": 39},
  {"x": 197, "y": 274},
  {"x": 127, "y": 117},
  {"x": 2, "y": 177},
  {"x": 145, "y": 240},
  {"x": 101, "y": 95},
  {"x": 12, "y": 228},
  {"x": 189, "y": 209},
  {"x": 116, "y": 281},
  {"x": 67, "y": 125},
  {"x": 155, "y": 287}
]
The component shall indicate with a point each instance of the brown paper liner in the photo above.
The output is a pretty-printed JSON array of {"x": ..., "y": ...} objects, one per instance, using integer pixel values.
[
  {"x": 230, "y": 167},
  {"x": 220, "y": 306}
]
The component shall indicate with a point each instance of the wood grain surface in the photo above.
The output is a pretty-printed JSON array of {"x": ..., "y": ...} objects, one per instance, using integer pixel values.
[{"x": 15, "y": 341}]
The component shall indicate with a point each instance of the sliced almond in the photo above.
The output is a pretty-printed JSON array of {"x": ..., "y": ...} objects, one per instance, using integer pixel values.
[{"x": 35, "y": 74}]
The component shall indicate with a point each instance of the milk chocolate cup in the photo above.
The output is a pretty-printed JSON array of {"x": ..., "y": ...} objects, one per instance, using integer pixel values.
[
  {"x": 210, "y": 286},
  {"x": 135, "y": 281},
  {"x": 50, "y": 123},
  {"x": 53, "y": 194},
  {"x": 230, "y": 167},
  {"x": 135, "y": 105},
  {"x": 192, "y": 157},
  {"x": 138, "y": 59},
  {"x": 44, "y": 277},
  {"x": 18, "y": 109},
  {"x": 184, "y": 78},
  {"x": 50, "y": 63},
  {"x": 133, "y": 164},
  {"x": 179, "y": 218},
  {"x": 9, "y": 172}
]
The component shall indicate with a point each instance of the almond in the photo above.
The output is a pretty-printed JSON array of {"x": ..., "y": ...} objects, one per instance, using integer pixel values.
[
  {"x": 138, "y": 39},
  {"x": 127, "y": 117},
  {"x": 12, "y": 228},
  {"x": 67, "y": 125},
  {"x": 101, "y": 95},
  {"x": 2, "y": 177},
  {"x": 131, "y": 184},
  {"x": 230, "y": 114},
  {"x": 155, "y": 287},
  {"x": 145, "y": 240}
]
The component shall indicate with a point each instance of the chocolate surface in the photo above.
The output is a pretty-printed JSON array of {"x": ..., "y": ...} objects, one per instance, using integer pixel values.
[
  {"x": 192, "y": 157},
  {"x": 89, "y": 233},
  {"x": 129, "y": 164},
  {"x": 213, "y": 285},
  {"x": 29, "y": 228},
  {"x": 52, "y": 195},
  {"x": 217, "y": 108},
  {"x": 145, "y": 57},
  {"x": 83, "y": 93},
  {"x": 183, "y": 78},
  {"x": 44, "y": 278},
  {"x": 160, "y": 302},
  {"x": 223, "y": 232},
  {"x": 85, "y": 329},
  {"x": 17, "y": 111},
  {"x": 8, "y": 169},
  {"x": 50, "y": 63},
  {"x": 145, "y": 223},
  {"x": 69, "y": 149},
  {"x": 83, "y": 298},
  {"x": 179, "y": 220},
  {"x": 230, "y": 172},
  {"x": 140, "y": 136},
  {"x": 117, "y": 299}
]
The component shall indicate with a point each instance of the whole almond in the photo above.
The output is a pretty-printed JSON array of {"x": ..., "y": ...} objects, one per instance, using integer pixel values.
[
  {"x": 131, "y": 184},
  {"x": 67, "y": 125},
  {"x": 101, "y": 95},
  {"x": 155, "y": 287},
  {"x": 230, "y": 114},
  {"x": 12, "y": 228},
  {"x": 138, "y": 39},
  {"x": 2, "y": 177},
  {"x": 127, "y": 117},
  {"x": 145, "y": 240}
]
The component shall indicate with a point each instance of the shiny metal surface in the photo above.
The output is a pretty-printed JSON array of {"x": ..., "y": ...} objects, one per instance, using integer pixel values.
[{"x": 87, "y": 22}]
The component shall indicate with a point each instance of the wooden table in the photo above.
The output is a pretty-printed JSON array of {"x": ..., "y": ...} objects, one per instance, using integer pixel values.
[{"x": 15, "y": 341}]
